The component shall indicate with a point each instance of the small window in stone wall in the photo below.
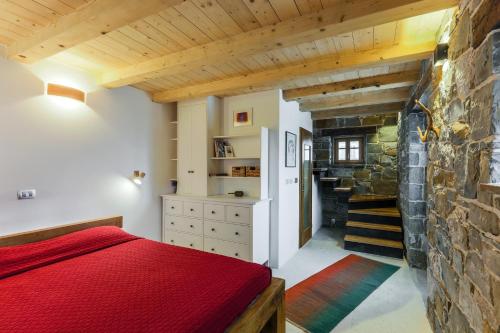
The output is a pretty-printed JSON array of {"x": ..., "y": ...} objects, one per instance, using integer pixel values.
[{"x": 349, "y": 150}]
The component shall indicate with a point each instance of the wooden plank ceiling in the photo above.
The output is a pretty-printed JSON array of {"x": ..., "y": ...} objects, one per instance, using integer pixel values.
[{"x": 329, "y": 55}]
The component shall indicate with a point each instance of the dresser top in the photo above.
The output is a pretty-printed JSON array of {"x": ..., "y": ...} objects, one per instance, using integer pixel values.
[{"x": 217, "y": 198}]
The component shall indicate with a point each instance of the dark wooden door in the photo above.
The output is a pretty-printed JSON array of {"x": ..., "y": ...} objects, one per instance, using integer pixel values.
[{"x": 305, "y": 222}]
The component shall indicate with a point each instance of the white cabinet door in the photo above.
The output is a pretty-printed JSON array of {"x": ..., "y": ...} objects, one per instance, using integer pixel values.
[
  {"x": 199, "y": 154},
  {"x": 184, "y": 150}
]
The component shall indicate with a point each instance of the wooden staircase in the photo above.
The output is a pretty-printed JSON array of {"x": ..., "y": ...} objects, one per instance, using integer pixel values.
[{"x": 374, "y": 226}]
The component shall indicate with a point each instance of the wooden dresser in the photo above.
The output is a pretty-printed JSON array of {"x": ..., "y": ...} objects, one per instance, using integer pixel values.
[{"x": 234, "y": 227}]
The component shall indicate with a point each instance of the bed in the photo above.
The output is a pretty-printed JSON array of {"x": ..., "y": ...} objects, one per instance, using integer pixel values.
[{"x": 94, "y": 277}]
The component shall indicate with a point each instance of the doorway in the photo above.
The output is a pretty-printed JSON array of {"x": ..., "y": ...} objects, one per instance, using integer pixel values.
[{"x": 305, "y": 221}]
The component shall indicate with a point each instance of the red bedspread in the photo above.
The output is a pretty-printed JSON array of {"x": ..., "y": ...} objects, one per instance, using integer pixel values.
[{"x": 105, "y": 280}]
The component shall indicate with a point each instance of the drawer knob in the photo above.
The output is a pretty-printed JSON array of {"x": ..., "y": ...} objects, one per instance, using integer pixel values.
[
  {"x": 172, "y": 223},
  {"x": 236, "y": 254},
  {"x": 191, "y": 244},
  {"x": 237, "y": 233},
  {"x": 213, "y": 212},
  {"x": 236, "y": 214},
  {"x": 171, "y": 241},
  {"x": 212, "y": 249},
  {"x": 192, "y": 209},
  {"x": 213, "y": 229},
  {"x": 191, "y": 226},
  {"x": 172, "y": 207}
]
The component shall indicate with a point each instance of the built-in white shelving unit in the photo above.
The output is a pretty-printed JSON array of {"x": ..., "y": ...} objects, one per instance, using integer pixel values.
[{"x": 249, "y": 150}]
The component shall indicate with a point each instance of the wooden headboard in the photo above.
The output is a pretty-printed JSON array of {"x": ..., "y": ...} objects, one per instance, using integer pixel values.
[{"x": 43, "y": 234}]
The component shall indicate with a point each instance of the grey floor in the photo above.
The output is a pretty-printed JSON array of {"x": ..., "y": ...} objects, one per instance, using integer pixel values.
[{"x": 396, "y": 306}]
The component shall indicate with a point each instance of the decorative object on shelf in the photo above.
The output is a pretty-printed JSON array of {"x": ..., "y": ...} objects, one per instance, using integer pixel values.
[
  {"x": 138, "y": 176},
  {"x": 238, "y": 171},
  {"x": 430, "y": 124},
  {"x": 242, "y": 117},
  {"x": 173, "y": 182},
  {"x": 64, "y": 91},
  {"x": 238, "y": 194},
  {"x": 291, "y": 149},
  {"x": 220, "y": 150},
  {"x": 252, "y": 171},
  {"x": 228, "y": 151}
]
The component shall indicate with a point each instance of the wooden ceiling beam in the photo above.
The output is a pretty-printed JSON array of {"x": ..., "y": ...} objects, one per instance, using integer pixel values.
[
  {"x": 356, "y": 100},
  {"x": 345, "y": 16},
  {"x": 366, "y": 84},
  {"x": 359, "y": 111},
  {"x": 276, "y": 78},
  {"x": 97, "y": 18}
]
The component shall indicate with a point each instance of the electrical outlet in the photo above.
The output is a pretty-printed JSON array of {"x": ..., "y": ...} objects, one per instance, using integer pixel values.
[{"x": 26, "y": 194}]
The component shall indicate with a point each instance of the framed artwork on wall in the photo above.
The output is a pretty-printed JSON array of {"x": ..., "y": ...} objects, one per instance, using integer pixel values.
[
  {"x": 290, "y": 150},
  {"x": 242, "y": 117}
]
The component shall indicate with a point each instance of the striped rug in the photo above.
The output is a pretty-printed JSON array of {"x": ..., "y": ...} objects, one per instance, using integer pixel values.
[{"x": 320, "y": 302}]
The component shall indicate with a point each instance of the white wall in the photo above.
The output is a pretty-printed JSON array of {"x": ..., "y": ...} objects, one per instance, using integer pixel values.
[
  {"x": 269, "y": 110},
  {"x": 79, "y": 156},
  {"x": 292, "y": 119}
]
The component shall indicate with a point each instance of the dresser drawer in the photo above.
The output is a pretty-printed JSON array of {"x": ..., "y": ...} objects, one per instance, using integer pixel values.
[
  {"x": 214, "y": 212},
  {"x": 230, "y": 232},
  {"x": 230, "y": 249},
  {"x": 184, "y": 240},
  {"x": 238, "y": 214},
  {"x": 173, "y": 207},
  {"x": 184, "y": 224},
  {"x": 193, "y": 209}
]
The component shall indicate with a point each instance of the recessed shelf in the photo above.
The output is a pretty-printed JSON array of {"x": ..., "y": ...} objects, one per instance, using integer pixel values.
[
  {"x": 236, "y": 158},
  {"x": 174, "y": 139},
  {"x": 231, "y": 177},
  {"x": 174, "y": 122},
  {"x": 173, "y": 159},
  {"x": 236, "y": 136}
]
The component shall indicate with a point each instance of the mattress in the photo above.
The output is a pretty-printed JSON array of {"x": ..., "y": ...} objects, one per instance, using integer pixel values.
[{"x": 106, "y": 280}]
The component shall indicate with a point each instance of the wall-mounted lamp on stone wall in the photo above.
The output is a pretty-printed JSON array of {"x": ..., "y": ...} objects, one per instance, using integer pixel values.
[
  {"x": 430, "y": 124},
  {"x": 440, "y": 54}
]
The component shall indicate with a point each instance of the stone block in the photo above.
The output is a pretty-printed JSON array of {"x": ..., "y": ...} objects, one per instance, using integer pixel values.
[
  {"x": 372, "y": 138},
  {"x": 474, "y": 268},
  {"x": 484, "y": 113},
  {"x": 417, "y": 208},
  {"x": 372, "y": 120},
  {"x": 457, "y": 322},
  {"x": 416, "y": 192},
  {"x": 390, "y": 148},
  {"x": 487, "y": 58},
  {"x": 362, "y": 173},
  {"x": 390, "y": 173},
  {"x": 484, "y": 220},
  {"x": 491, "y": 257},
  {"x": 460, "y": 39},
  {"x": 374, "y": 148},
  {"x": 472, "y": 171},
  {"x": 416, "y": 258},
  {"x": 414, "y": 159},
  {"x": 390, "y": 120},
  {"x": 450, "y": 279},
  {"x": 386, "y": 160},
  {"x": 484, "y": 20},
  {"x": 388, "y": 134},
  {"x": 464, "y": 75},
  {"x": 416, "y": 175},
  {"x": 385, "y": 187},
  {"x": 372, "y": 158}
]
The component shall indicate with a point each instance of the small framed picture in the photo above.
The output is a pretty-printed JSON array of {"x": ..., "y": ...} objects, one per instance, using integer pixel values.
[
  {"x": 228, "y": 151},
  {"x": 242, "y": 117},
  {"x": 291, "y": 149}
]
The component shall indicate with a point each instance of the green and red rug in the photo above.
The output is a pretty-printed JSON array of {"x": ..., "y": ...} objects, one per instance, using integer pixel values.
[{"x": 320, "y": 302}]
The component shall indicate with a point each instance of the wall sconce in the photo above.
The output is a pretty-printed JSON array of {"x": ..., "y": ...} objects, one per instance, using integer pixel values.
[
  {"x": 138, "y": 177},
  {"x": 440, "y": 54},
  {"x": 63, "y": 91},
  {"x": 430, "y": 124}
]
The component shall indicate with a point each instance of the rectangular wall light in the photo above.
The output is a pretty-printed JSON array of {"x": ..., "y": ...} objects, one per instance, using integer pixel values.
[{"x": 63, "y": 91}]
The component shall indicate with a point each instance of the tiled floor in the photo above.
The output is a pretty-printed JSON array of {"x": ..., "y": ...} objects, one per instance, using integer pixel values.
[{"x": 396, "y": 306}]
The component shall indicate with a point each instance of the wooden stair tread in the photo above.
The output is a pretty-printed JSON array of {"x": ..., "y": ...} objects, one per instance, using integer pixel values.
[
  {"x": 374, "y": 226},
  {"x": 386, "y": 211},
  {"x": 371, "y": 197},
  {"x": 374, "y": 241}
]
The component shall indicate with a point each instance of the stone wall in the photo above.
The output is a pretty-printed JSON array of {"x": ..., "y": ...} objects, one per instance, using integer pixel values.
[
  {"x": 378, "y": 175},
  {"x": 412, "y": 162},
  {"x": 463, "y": 228}
]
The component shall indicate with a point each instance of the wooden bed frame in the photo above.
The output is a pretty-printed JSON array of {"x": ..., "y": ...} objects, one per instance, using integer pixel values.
[{"x": 265, "y": 314}]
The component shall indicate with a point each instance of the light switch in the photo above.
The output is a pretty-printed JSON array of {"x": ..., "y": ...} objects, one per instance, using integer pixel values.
[{"x": 26, "y": 194}]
